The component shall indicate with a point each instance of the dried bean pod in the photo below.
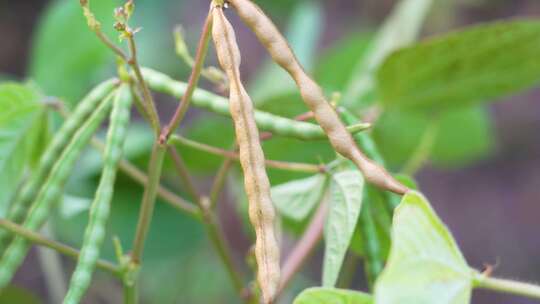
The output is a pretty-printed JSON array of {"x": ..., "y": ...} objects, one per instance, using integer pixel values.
[
  {"x": 99, "y": 210},
  {"x": 50, "y": 192},
  {"x": 261, "y": 210},
  {"x": 24, "y": 198},
  {"x": 313, "y": 96}
]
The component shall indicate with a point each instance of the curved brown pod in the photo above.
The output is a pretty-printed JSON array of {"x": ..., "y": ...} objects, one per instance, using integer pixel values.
[
  {"x": 261, "y": 209},
  {"x": 313, "y": 96}
]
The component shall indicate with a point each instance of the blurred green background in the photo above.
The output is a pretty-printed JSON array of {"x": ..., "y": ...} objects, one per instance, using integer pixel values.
[{"x": 483, "y": 177}]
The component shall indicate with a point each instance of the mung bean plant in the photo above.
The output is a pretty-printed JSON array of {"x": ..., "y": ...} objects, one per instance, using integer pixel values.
[{"x": 341, "y": 180}]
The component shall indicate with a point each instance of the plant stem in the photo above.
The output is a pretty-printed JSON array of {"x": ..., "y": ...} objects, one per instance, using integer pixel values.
[
  {"x": 118, "y": 51},
  {"x": 218, "y": 240},
  {"x": 219, "y": 181},
  {"x": 130, "y": 294},
  {"x": 289, "y": 166},
  {"x": 507, "y": 286},
  {"x": 147, "y": 96},
  {"x": 182, "y": 171},
  {"x": 192, "y": 83},
  {"x": 210, "y": 222},
  {"x": 149, "y": 200},
  {"x": 140, "y": 177},
  {"x": 66, "y": 250},
  {"x": 304, "y": 247}
]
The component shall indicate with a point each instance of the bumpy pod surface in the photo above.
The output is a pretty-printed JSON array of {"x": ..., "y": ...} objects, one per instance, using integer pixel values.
[
  {"x": 51, "y": 192},
  {"x": 100, "y": 208},
  {"x": 313, "y": 96},
  {"x": 24, "y": 198},
  {"x": 261, "y": 210}
]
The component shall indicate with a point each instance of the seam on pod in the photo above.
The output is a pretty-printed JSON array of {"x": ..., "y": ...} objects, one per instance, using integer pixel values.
[
  {"x": 24, "y": 197},
  {"x": 261, "y": 210},
  {"x": 51, "y": 191},
  {"x": 100, "y": 208},
  {"x": 313, "y": 96}
]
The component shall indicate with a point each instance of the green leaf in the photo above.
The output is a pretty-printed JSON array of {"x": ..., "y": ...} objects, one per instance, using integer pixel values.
[
  {"x": 344, "y": 209},
  {"x": 463, "y": 136},
  {"x": 296, "y": 199},
  {"x": 319, "y": 295},
  {"x": 66, "y": 56},
  {"x": 20, "y": 126},
  {"x": 425, "y": 265},
  {"x": 400, "y": 29},
  {"x": 466, "y": 67}
]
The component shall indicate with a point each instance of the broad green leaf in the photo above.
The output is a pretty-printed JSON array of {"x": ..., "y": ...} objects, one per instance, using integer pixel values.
[
  {"x": 425, "y": 264},
  {"x": 400, "y": 29},
  {"x": 473, "y": 65},
  {"x": 20, "y": 129},
  {"x": 66, "y": 56},
  {"x": 318, "y": 295},
  {"x": 296, "y": 199},
  {"x": 303, "y": 33},
  {"x": 344, "y": 209},
  {"x": 463, "y": 135}
]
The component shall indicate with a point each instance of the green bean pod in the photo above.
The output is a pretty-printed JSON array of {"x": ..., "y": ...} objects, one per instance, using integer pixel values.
[
  {"x": 265, "y": 121},
  {"x": 24, "y": 198},
  {"x": 99, "y": 211},
  {"x": 51, "y": 191}
]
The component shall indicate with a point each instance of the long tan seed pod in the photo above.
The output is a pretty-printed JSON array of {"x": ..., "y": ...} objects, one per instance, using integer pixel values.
[
  {"x": 261, "y": 209},
  {"x": 313, "y": 96}
]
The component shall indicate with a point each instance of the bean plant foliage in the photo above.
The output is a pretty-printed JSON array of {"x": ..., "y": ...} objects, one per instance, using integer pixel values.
[{"x": 307, "y": 172}]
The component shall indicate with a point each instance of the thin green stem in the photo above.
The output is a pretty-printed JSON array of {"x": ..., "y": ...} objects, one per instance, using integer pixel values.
[
  {"x": 220, "y": 245},
  {"x": 507, "y": 286},
  {"x": 136, "y": 174},
  {"x": 149, "y": 200},
  {"x": 147, "y": 96},
  {"x": 423, "y": 150},
  {"x": 219, "y": 181},
  {"x": 182, "y": 171},
  {"x": 288, "y": 166},
  {"x": 130, "y": 294},
  {"x": 66, "y": 250},
  {"x": 140, "y": 177},
  {"x": 192, "y": 83},
  {"x": 209, "y": 220}
]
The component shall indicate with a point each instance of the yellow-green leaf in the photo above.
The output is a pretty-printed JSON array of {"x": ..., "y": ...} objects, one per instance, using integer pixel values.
[{"x": 425, "y": 265}]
